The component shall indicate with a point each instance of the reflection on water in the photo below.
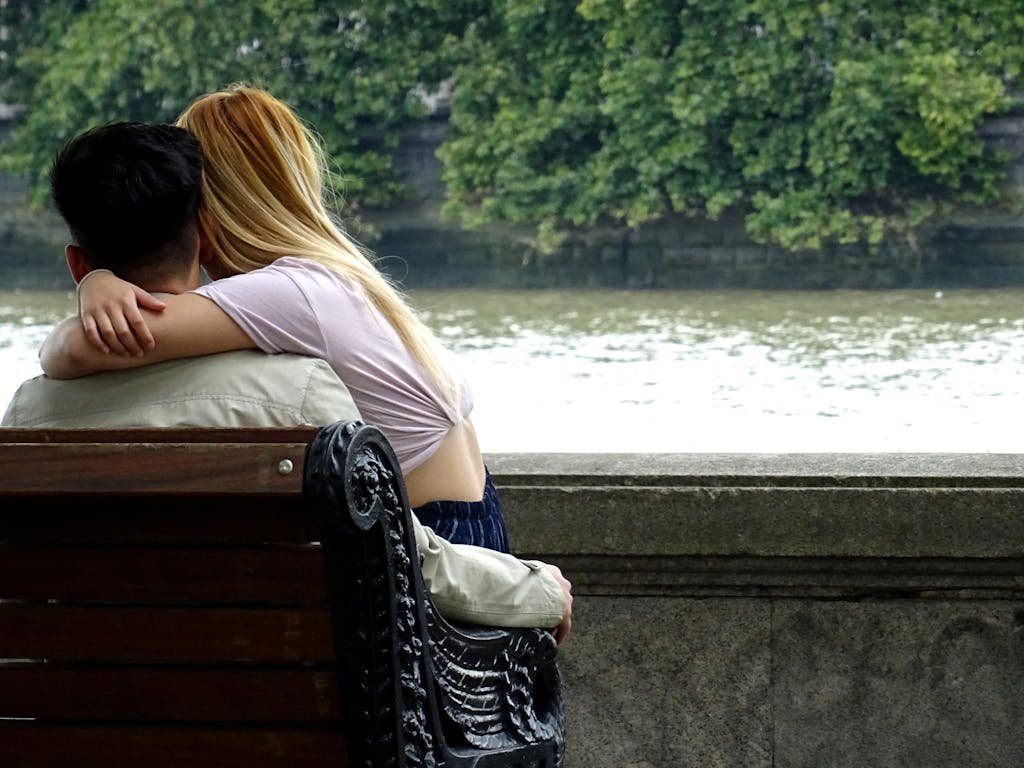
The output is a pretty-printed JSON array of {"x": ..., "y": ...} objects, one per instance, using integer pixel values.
[{"x": 705, "y": 371}]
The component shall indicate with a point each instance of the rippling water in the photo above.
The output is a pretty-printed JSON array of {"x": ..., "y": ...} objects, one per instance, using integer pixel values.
[{"x": 733, "y": 371}]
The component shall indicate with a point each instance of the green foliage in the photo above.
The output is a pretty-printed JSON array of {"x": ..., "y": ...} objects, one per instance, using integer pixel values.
[
  {"x": 528, "y": 78},
  {"x": 830, "y": 122},
  {"x": 839, "y": 121},
  {"x": 352, "y": 69}
]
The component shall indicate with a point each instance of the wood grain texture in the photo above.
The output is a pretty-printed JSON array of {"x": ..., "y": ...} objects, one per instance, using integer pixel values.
[
  {"x": 151, "y": 468},
  {"x": 162, "y": 435},
  {"x": 138, "y": 694},
  {"x": 30, "y": 745},
  {"x": 200, "y": 519},
  {"x": 181, "y": 635},
  {"x": 268, "y": 575}
]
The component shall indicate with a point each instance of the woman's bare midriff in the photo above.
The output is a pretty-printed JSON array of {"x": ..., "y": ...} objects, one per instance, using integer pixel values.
[{"x": 455, "y": 471}]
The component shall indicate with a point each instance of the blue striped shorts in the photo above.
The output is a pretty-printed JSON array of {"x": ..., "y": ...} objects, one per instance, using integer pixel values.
[{"x": 468, "y": 522}]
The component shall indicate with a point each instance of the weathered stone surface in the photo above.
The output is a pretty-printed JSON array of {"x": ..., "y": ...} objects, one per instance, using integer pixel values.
[
  {"x": 679, "y": 683},
  {"x": 818, "y": 611},
  {"x": 882, "y": 684},
  {"x": 666, "y": 682},
  {"x": 884, "y": 470},
  {"x": 771, "y": 522}
]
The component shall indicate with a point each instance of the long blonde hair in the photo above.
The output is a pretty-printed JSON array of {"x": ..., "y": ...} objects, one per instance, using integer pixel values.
[{"x": 263, "y": 197}]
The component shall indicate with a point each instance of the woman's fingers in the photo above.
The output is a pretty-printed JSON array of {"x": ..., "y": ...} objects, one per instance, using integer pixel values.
[
  {"x": 139, "y": 330},
  {"x": 92, "y": 333}
]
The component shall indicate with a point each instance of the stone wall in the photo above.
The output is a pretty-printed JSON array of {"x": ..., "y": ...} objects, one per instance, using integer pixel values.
[{"x": 771, "y": 611}]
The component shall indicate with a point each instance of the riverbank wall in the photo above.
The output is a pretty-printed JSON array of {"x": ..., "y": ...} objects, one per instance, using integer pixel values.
[
  {"x": 850, "y": 611},
  {"x": 422, "y": 249},
  {"x": 971, "y": 248}
]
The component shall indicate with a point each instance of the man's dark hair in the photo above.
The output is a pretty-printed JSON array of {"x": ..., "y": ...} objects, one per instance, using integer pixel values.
[{"x": 129, "y": 193}]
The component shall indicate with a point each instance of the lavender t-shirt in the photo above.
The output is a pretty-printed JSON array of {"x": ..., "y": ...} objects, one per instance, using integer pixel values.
[{"x": 296, "y": 305}]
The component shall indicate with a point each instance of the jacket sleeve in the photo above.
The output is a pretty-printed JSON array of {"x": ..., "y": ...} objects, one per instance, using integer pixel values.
[{"x": 480, "y": 586}]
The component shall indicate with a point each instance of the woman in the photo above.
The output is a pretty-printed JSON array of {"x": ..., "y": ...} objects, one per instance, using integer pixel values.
[{"x": 286, "y": 278}]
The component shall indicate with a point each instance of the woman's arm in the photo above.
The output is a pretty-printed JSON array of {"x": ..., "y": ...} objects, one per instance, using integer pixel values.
[{"x": 191, "y": 325}]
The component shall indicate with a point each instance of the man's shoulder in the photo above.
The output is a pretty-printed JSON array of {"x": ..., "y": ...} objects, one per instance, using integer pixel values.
[{"x": 245, "y": 388}]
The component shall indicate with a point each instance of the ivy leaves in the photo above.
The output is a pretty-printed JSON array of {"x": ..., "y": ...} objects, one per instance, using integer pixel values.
[
  {"x": 841, "y": 121},
  {"x": 836, "y": 122},
  {"x": 350, "y": 68}
]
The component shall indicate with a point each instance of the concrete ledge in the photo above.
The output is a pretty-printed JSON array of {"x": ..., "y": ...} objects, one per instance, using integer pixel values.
[
  {"x": 888, "y": 470},
  {"x": 816, "y": 505},
  {"x": 809, "y": 611}
]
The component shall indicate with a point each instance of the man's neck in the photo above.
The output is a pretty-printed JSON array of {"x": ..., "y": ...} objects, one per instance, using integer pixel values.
[
  {"x": 166, "y": 286},
  {"x": 181, "y": 282}
]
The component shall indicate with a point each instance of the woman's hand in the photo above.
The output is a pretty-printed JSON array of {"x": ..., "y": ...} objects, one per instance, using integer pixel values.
[{"x": 108, "y": 308}]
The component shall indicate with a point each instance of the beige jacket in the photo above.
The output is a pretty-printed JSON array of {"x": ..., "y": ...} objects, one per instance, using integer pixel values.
[{"x": 253, "y": 389}]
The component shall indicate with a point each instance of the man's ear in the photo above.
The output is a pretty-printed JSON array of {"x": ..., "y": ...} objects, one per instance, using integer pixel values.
[{"x": 77, "y": 263}]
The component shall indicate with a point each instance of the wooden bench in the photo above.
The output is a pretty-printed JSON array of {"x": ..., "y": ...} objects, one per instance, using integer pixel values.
[{"x": 222, "y": 598}]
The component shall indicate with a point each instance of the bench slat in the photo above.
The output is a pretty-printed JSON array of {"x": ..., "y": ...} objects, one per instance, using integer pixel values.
[
  {"x": 277, "y": 575},
  {"x": 161, "y": 520},
  {"x": 129, "y": 694},
  {"x": 32, "y": 435},
  {"x": 178, "y": 635},
  {"x": 249, "y": 468},
  {"x": 29, "y": 745}
]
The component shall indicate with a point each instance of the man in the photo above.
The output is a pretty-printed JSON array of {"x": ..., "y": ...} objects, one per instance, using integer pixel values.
[{"x": 129, "y": 193}]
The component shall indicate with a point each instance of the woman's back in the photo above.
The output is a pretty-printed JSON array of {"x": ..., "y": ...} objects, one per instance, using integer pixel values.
[
  {"x": 297, "y": 305},
  {"x": 263, "y": 201}
]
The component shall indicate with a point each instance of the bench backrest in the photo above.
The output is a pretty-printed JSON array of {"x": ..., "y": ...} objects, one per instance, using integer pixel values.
[{"x": 232, "y": 597}]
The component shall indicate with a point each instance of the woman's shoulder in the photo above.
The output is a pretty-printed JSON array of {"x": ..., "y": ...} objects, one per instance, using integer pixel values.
[
  {"x": 292, "y": 280},
  {"x": 306, "y": 271},
  {"x": 286, "y": 273},
  {"x": 301, "y": 263}
]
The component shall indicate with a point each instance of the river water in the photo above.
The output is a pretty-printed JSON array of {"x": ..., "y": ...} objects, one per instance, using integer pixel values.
[{"x": 730, "y": 371}]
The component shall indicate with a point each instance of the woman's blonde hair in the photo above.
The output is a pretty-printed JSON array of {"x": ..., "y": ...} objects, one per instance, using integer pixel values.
[{"x": 263, "y": 197}]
